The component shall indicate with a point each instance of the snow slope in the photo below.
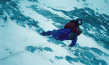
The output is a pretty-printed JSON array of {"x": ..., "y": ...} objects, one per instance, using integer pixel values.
[
  {"x": 25, "y": 46},
  {"x": 100, "y": 6},
  {"x": 15, "y": 39}
]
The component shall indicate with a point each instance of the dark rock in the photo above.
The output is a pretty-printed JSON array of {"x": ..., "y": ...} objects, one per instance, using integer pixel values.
[
  {"x": 33, "y": 0},
  {"x": 5, "y": 18},
  {"x": 83, "y": 56},
  {"x": 48, "y": 49},
  {"x": 76, "y": 52},
  {"x": 97, "y": 51},
  {"x": 84, "y": 0},
  {"x": 63, "y": 45},
  {"x": 95, "y": 62},
  {"x": 40, "y": 48},
  {"x": 70, "y": 59},
  {"x": 59, "y": 57},
  {"x": 2, "y": 25},
  {"x": 35, "y": 48},
  {"x": 13, "y": 17},
  {"x": 51, "y": 60},
  {"x": 1, "y": 11},
  {"x": 28, "y": 48},
  {"x": 32, "y": 22},
  {"x": 10, "y": 52},
  {"x": 78, "y": 0},
  {"x": 85, "y": 62},
  {"x": 31, "y": 48},
  {"x": 89, "y": 55},
  {"x": 7, "y": 9},
  {"x": 6, "y": 49},
  {"x": 103, "y": 62},
  {"x": 5, "y": 0},
  {"x": 13, "y": 4}
]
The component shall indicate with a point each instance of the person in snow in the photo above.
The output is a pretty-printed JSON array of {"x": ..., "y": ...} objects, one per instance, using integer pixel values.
[{"x": 70, "y": 32}]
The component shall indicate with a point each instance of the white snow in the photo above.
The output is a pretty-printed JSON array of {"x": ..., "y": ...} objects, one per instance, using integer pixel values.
[
  {"x": 89, "y": 42},
  {"x": 100, "y": 6},
  {"x": 37, "y": 17},
  {"x": 14, "y": 38}
]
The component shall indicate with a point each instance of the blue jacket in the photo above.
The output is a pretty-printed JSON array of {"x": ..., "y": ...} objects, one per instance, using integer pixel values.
[{"x": 61, "y": 34}]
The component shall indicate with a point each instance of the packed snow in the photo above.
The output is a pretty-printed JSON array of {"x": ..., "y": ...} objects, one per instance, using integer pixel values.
[{"x": 14, "y": 38}]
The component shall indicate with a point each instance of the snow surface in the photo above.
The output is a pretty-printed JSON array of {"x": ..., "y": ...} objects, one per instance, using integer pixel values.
[
  {"x": 100, "y": 6},
  {"x": 14, "y": 38}
]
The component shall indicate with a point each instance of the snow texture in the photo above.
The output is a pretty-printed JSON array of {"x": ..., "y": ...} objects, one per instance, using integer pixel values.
[{"x": 22, "y": 21}]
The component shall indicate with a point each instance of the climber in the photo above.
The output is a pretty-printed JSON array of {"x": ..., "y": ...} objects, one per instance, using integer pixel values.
[{"x": 70, "y": 32}]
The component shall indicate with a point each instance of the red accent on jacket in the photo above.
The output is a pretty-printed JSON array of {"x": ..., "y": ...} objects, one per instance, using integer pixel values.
[{"x": 73, "y": 27}]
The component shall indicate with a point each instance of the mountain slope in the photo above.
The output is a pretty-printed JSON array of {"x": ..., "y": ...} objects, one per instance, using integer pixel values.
[{"x": 21, "y": 43}]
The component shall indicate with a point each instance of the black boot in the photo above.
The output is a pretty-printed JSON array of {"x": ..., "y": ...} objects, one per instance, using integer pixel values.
[{"x": 43, "y": 33}]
